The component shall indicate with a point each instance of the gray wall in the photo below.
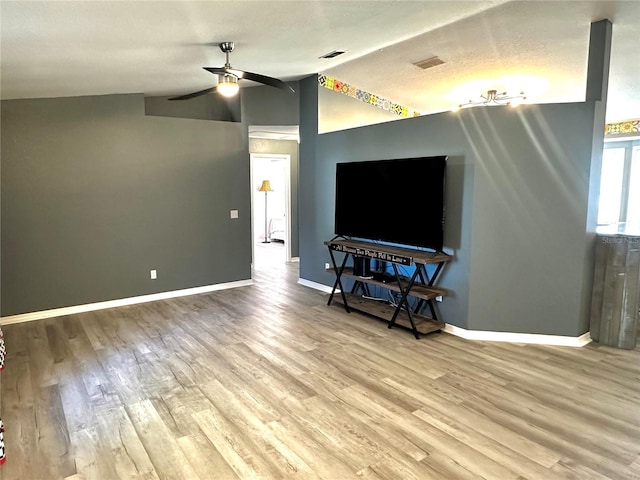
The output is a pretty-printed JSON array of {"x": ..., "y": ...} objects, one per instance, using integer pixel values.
[
  {"x": 531, "y": 249},
  {"x": 517, "y": 200},
  {"x": 204, "y": 107},
  {"x": 270, "y": 106},
  {"x": 95, "y": 194},
  {"x": 286, "y": 147}
]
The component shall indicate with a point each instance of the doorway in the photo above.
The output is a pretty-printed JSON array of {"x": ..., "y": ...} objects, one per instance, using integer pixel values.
[{"x": 270, "y": 209}]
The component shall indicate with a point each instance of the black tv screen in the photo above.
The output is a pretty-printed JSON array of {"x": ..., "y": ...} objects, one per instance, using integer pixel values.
[{"x": 396, "y": 201}]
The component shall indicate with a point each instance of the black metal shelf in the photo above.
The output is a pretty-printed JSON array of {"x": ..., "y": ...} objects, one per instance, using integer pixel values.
[{"x": 420, "y": 286}]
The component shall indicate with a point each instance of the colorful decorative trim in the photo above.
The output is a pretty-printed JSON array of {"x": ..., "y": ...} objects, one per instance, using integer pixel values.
[
  {"x": 626, "y": 128},
  {"x": 344, "y": 88}
]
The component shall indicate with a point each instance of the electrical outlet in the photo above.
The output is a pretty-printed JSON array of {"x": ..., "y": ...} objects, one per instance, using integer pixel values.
[
  {"x": 327, "y": 266},
  {"x": 439, "y": 298},
  {"x": 153, "y": 274},
  {"x": 233, "y": 213}
]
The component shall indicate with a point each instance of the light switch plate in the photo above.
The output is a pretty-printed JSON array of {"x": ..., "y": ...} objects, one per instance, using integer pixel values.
[{"x": 233, "y": 213}]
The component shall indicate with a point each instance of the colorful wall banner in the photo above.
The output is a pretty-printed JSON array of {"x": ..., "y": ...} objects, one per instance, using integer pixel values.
[
  {"x": 344, "y": 88},
  {"x": 628, "y": 128}
]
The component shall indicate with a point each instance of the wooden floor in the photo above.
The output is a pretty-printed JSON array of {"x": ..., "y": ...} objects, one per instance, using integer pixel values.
[{"x": 268, "y": 382}]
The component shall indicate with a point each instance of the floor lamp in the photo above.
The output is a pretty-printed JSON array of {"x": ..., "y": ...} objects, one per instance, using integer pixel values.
[{"x": 265, "y": 187}]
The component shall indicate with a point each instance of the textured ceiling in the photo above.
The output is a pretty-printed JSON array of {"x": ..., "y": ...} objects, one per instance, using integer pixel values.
[
  {"x": 58, "y": 48},
  {"x": 537, "y": 46}
]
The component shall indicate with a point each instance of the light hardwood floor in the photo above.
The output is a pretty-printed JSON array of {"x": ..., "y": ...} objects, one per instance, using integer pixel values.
[{"x": 268, "y": 382}]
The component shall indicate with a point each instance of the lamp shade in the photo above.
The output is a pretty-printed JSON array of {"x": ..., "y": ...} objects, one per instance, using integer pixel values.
[{"x": 265, "y": 187}]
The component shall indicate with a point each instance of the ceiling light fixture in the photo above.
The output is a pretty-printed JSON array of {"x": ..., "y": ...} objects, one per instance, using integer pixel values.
[
  {"x": 494, "y": 98},
  {"x": 227, "y": 85}
]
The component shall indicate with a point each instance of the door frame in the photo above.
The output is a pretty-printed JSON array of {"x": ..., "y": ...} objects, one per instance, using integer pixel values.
[{"x": 286, "y": 158}]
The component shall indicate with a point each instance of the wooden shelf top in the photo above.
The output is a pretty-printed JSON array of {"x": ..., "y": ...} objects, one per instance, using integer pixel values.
[
  {"x": 369, "y": 249},
  {"x": 424, "y": 325},
  {"x": 419, "y": 290}
]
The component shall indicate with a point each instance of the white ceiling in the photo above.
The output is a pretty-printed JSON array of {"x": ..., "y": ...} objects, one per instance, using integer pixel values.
[{"x": 59, "y": 48}]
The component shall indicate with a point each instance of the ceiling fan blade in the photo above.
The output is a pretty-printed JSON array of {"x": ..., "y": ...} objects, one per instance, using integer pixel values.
[
  {"x": 273, "y": 82},
  {"x": 195, "y": 94},
  {"x": 255, "y": 77},
  {"x": 220, "y": 70}
]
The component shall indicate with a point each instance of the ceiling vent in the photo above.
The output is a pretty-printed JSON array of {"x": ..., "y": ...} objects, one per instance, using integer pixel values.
[
  {"x": 333, "y": 54},
  {"x": 428, "y": 63}
]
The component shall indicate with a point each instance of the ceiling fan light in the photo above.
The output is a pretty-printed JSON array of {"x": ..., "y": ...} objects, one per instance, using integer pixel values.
[{"x": 227, "y": 85}]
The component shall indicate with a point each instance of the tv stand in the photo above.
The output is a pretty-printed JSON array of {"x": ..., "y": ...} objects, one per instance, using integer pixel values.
[{"x": 421, "y": 285}]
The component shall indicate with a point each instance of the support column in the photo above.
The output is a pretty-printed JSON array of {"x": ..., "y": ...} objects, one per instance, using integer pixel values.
[
  {"x": 597, "y": 87},
  {"x": 599, "y": 57}
]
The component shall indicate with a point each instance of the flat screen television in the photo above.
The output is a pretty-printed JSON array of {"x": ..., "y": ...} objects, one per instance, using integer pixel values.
[{"x": 396, "y": 201}]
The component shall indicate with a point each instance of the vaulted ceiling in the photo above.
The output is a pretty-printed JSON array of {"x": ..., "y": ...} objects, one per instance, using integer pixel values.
[{"x": 70, "y": 48}]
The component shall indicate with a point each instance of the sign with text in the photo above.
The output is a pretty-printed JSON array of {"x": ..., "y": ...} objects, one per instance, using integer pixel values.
[{"x": 368, "y": 252}]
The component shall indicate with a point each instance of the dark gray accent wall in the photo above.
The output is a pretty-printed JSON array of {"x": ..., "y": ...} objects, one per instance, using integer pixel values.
[
  {"x": 204, "y": 107},
  {"x": 597, "y": 78},
  {"x": 531, "y": 249},
  {"x": 253, "y": 106},
  {"x": 599, "y": 60},
  {"x": 517, "y": 201},
  {"x": 286, "y": 147},
  {"x": 95, "y": 194},
  {"x": 271, "y": 106},
  {"x": 311, "y": 252}
]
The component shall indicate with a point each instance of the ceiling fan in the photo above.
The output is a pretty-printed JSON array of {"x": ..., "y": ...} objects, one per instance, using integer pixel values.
[{"x": 228, "y": 78}]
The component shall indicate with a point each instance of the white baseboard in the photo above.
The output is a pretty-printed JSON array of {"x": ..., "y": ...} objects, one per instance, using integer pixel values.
[
  {"x": 57, "y": 312},
  {"x": 316, "y": 285},
  {"x": 533, "y": 338}
]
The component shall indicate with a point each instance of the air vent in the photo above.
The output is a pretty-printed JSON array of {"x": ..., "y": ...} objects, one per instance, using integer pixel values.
[
  {"x": 333, "y": 54},
  {"x": 429, "y": 62}
]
